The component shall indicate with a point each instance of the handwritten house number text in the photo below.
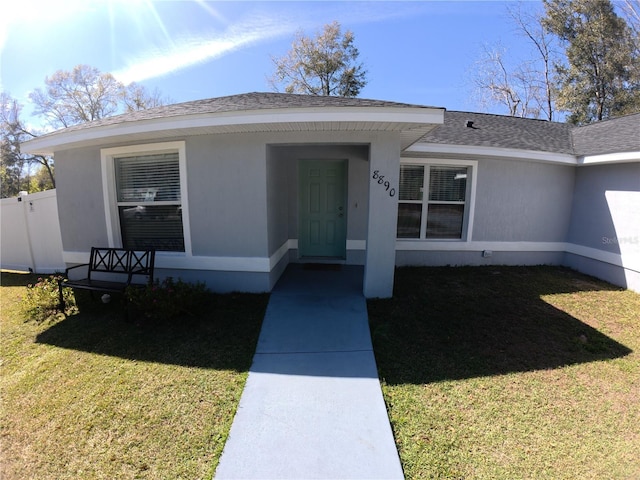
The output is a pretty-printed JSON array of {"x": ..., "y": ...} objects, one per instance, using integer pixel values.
[{"x": 385, "y": 183}]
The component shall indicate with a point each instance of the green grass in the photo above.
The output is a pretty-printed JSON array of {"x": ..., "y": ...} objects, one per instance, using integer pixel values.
[
  {"x": 93, "y": 397},
  {"x": 509, "y": 373},
  {"x": 496, "y": 373}
]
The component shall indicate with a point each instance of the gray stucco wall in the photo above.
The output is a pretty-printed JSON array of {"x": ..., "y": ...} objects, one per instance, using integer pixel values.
[
  {"x": 278, "y": 186},
  {"x": 241, "y": 194},
  {"x": 606, "y": 217},
  {"x": 243, "y": 202},
  {"x": 227, "y": 195},
  {"x": 80, "y": 199},
  {"x": 592, "y": 221},
  {"x": 474, "y": 258},
  {"x": 517, "y": 204},
  {"x": 379, "y": 270},
  {"x": 520, "y": 201}
]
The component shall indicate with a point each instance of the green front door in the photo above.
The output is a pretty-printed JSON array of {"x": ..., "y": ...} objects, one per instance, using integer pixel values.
[{"x": 322, "y": 208}]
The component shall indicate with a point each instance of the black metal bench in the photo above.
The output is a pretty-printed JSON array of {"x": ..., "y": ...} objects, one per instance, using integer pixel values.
[{"x": 111, "y": 270}]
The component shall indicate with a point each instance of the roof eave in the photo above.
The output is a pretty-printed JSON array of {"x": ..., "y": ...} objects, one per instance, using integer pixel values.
[
  {"x": 411, "y": 122},
  {"x": 475, "y": 151},
  {"x": 607, "y": 158}
]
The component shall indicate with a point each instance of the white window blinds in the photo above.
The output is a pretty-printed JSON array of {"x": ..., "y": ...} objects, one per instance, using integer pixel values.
[
  {"x": 149, "y": 178},
  {"x": 411, "y": 182},
  {"x": 432, "y": 201},
  {"x": 149, "y": 201},
  {"x": 447, "y": 184}
]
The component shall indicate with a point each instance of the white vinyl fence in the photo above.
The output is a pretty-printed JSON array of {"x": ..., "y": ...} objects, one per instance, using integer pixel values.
[{"x": 30, "y": 233}]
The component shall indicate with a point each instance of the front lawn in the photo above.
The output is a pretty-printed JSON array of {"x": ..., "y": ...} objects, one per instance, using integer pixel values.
[
  {"x": 508, "y": 373},
  {"x": 93, "y": 397}
]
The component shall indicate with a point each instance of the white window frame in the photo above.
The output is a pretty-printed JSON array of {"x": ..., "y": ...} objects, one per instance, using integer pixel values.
[
  {"x": 470, "y": 199},
  {"x": 108, "y": 156}
]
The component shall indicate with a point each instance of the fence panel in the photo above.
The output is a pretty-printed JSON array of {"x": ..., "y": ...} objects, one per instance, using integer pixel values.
[{"x": 30, "y": 233}]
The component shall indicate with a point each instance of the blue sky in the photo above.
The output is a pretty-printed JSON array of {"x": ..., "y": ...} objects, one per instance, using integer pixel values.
[{"x": 419, "y": 52}]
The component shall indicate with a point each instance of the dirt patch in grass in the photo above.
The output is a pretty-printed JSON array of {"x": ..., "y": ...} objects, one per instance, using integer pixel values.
[
  {"x": 91, "y": 396},
  {"x": 510, "y": 373}
]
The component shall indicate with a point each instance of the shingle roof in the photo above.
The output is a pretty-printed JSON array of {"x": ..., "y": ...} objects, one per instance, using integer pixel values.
[
  {"x": 609, "y": 136},
  {"x": 616, "y": 135},
  {"x": 498, "y": 131},
  {"x": 238, "y": 103},
  {"x": 501, "y": 131}
]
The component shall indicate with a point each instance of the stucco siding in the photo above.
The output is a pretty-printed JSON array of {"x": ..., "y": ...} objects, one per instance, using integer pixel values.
[
  {"x": 222, "y": 281},
  {"x": 606, "y": 220},
  {"x": 519, "y": 201},
  {"x": 279, "y": 181},
  {"x": 227, "y": 195},
  {"x": 384, "y": 160},
  {"x": 80, "y": 199},
  {"x": 606, "y": 207},
  {"x": 475, "y": 258}
]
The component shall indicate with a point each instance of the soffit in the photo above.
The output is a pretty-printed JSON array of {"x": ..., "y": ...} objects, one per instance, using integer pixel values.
[{"x": 411, "y": 123}]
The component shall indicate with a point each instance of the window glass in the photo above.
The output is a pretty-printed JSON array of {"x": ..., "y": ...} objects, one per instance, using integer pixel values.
[
  {"x": 409, "y": 220},
  {"x": 152, "y": 178},
  {"x": 447, "y": 184},
  {"x": 444, "y": 221},
  {"x": 411, "y": 182},
  {"x": 149, "y": 201},
  {"x": 432, "y": 201},
  {"x": 145, "y": 226}
]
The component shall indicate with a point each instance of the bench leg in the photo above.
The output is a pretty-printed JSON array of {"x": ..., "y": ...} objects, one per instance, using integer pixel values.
[{"x": 61, "y": 304}]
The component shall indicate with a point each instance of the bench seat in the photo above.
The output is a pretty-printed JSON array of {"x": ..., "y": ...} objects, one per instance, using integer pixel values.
[{"x": 97, "y": 285}]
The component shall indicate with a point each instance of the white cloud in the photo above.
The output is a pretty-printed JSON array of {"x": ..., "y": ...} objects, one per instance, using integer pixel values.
[
  {"x": 189, "y": 51},
  {"x": 185, "y": 52}
]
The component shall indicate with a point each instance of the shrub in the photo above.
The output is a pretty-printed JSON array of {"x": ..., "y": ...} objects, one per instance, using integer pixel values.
[
  {"x": 167, "y": 299},
  {"x": 41, "y": 301}
]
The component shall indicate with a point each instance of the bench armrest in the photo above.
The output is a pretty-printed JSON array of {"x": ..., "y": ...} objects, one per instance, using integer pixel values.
[{"x": 84, "y": 265}]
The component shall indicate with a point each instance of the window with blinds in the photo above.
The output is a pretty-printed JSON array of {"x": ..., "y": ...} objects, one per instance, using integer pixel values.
[
  {"x": 410, "y": 195},
  {"x": 149, "y": 201},
  {"x": 431, "y": 201}
]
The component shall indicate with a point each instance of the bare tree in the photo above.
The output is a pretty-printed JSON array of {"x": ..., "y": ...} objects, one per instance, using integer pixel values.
[
  {"x": 136, "y": 97},
  {"x": 85, "y": 94},
  {"x": 525, "y": 89},
  {"x": 324, "y": 65},
  {"x": 81, "y": 95},
  {"x": 515, "y": 89},
  {"x": 71, "y": 97},
  {"x": 531, "y": 26},
  {"x": 13, "y": 163}
]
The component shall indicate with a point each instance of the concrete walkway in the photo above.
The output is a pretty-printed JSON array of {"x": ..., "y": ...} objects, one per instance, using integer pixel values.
[{"x": 312, "y": 406}]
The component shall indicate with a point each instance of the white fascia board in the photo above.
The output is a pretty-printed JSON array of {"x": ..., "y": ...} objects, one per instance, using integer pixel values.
[
  {"x": 406, "y": 116},
  {"x": 623, "y": 157},
  {"x": 493, "y": 152}
]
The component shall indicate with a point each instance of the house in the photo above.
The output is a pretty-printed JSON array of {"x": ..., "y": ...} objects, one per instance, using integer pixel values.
[{"x": 231, "y": 190}]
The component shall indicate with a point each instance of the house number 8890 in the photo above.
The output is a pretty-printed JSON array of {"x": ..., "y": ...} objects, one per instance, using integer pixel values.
[{"x": 385, "y": 183}]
